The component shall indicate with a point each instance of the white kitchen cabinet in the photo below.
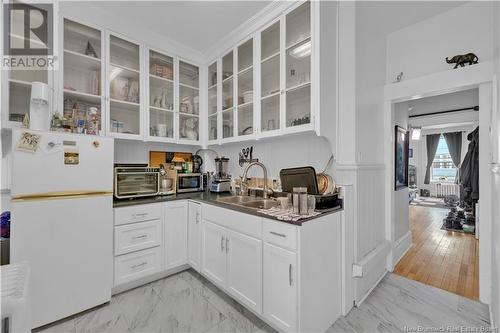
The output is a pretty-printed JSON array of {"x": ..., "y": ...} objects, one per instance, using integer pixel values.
[
  {"x": 244, "y": 277},
  {"x": 194, "y": 235},
  {"x": 175, "y": 233},
  {"x": 214, "y": 259},
  {"x": 136, "y": 265},
  {"x": 189, "y": 102},
  {"x": 280, "y": 287},
  {"x": 124, "y": 87}
]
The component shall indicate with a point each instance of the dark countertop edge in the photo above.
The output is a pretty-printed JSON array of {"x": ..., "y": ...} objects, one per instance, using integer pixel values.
[{"x": 211, "y": 198}]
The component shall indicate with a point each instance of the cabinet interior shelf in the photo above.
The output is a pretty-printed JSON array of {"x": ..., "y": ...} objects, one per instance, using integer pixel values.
[
  {"x": 125, "y": 104},
  {"x": 299, "y": 86},
  {"x": 86, "y": 97},
  {"x": 212, "y": 86},
  {"x": 244, "y": 70},
  {"x": 20, "y": 82},
  {"x": 184, "y": 114},
  {"x": 124, "y": 68},
  {"x": 82, "y": 56},
  {"x": 160, "y": 109},
  {"x": 156, "y": 77},
  {"x": 227, "y": 79},
  {"x": 270, "y": 95},
  {"x": 296, "y": 43},
  {"x": 188, "y": 86},
  {"x": 227, "y": 110},
  {"x": 270, "y": 57},
  {"x": 244, "y": 105}
]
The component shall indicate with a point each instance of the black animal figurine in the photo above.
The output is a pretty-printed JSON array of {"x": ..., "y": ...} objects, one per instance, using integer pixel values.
[{"x": 462, "y": 59}]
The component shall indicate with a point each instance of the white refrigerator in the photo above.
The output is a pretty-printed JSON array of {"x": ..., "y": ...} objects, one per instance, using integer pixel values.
[{"x": 62, "y": 220}]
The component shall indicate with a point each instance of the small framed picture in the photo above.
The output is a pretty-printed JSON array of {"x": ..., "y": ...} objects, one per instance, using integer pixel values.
[
  {"x": 410, "y": 153},
  {"x": 402, "y": 145}
]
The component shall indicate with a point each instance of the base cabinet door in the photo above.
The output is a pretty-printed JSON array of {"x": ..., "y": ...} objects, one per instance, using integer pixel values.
[
  {"x": 194, "y": 235},
  {"x": 280, "y": 287},
  {"x": 214, "y": 261},
  {"x": 175, "y": 234},
  {"x": 244, "y": 279}
]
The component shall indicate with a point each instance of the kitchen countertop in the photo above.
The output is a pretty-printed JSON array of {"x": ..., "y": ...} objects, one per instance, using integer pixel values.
[{"x": 211, "y": 198}]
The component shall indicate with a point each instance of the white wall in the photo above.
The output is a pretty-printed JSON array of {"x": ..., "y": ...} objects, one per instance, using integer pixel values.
[
  {"x": 421, "y": 48},
  {"x": 400, "y": 197},
  {"x": 129, "y": 151},
  {"x": 276, "y": 153}
]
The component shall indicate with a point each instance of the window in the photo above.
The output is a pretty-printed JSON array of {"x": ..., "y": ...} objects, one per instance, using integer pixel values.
[{"x": 443, "y": 168}]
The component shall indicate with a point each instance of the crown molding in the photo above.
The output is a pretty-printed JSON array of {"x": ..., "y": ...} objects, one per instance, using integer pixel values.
[{"x": 266, "y": 14}]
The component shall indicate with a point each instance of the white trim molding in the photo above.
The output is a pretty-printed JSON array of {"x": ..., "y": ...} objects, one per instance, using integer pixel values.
[{"x": 400, "y": 248}]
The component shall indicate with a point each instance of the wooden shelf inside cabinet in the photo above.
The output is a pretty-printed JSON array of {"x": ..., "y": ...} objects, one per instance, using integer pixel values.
[{"x": 84, "y": 97}]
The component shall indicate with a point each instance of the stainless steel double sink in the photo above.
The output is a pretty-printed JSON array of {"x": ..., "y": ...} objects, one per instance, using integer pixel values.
[{"x": 249, "y": 202}]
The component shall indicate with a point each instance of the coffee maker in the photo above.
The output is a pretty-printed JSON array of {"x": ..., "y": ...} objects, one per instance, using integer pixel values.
[{"x": 222, "y": 180}]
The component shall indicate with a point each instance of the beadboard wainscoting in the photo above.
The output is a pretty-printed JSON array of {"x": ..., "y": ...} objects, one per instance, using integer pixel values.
[{"x": 368, "y": 236}]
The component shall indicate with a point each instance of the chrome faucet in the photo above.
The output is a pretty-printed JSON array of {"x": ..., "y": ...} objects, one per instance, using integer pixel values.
[{"x": 265, "y": 175}]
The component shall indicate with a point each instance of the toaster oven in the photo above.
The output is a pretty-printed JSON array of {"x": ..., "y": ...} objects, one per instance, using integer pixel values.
[{"x": 135, "y": 180}]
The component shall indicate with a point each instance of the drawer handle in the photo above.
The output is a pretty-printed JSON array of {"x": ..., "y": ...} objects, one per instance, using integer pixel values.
[
  {"x": 290, "y": 274},
  {"x": 139, "y": 265},
  {"x": 227, "y": 245},
  {"x": 222, "y": 244},
  {"x": 140, "y": 237},
  {"x": 140, "y": 215},
  {"x": 277, "y": 234},
  {"x": 197, "y": 217}
]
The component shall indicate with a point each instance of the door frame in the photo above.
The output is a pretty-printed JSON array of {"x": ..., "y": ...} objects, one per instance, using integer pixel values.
[{"x": 476, "y": 76}]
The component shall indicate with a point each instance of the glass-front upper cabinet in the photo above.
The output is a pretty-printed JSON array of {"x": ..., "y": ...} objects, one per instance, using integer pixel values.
[
  {"x": 298, "y": 66},
  {"x": 124, "y": 88},
  {"x": 189, "y": 101},
  {"x": 227, "y": 96},
  {"x": 245, "y": 107},
  {"x": 161, "y": 112},
  {"x": 82, "y": 79},
  {"x": 213, "y": 110},
  {"x": 270, "y": 79}
]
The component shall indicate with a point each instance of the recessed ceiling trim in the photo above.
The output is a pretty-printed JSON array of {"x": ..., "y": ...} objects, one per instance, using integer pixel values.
[{"x": 266, "y": 14}]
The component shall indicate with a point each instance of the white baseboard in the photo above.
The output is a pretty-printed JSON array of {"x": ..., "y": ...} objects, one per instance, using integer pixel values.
[
  {"x": 371, "y": 289},
  {"x": 401, "y": 246}
]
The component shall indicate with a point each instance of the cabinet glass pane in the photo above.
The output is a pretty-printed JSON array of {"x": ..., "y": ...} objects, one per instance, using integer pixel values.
[
  {"x": 29, "y": 75},
  {"x": 298, "y": 24},
  {"x": 245, "y": 87},
  {"x": 212, "y": 100},
  {"x": 124, "y": 78},
  {"x": 227, "y": 124},
  {"x": 245, "y": 55},
  {"x": 227, "y": 94},
  {"x": 227, "y": 66},
  {"x": 161, "y": 123},
  {"x": 270, "y": 76},
  {"x": 270, "y": 113},
  {"x": 245, "y": 119},
  {"x": 161, "y": 93},
  {"x": 212, "y": 74},
  {"x": 124, "y": 53},
  {"x": 189, "y": 74},
  {"x": 298, "y": 106},
  {"x": 298, "y": 64},
  {"x": 270, "y": 41},
  {"x": 188, "y": 127},
  {"x": 19, "y": 100},
  {"x": 161, "y": 66},
  {"x": 212, "y": 127},
  {"x": 81, "y": 39},
  {"x": 188, "y": 100}
]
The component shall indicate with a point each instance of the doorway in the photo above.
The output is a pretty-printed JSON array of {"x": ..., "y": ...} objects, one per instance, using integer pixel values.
[{"x": 478, "y": 254}]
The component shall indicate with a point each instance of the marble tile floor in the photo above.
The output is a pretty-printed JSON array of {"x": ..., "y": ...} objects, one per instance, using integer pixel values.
[{"x": 187, "y": 302}]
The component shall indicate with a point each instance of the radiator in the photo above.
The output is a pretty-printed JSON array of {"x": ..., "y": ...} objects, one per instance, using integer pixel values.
[{"x": 445, "y": 189}]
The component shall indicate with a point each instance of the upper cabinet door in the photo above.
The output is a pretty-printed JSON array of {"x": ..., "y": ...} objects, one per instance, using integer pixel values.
[
  {"x": 124, "y": 88},
  {"x": 298, "y": 67},
  {"x": 213, "y": 99},
  {"x": 228, "y": 105},
  {"x": 82, "y": 79},
  {"x": 161, "y": 97},
  {"x": 270, "y": 83},
  {"x": 189, "y": 101},
  {"x": 245, "y": 106}
]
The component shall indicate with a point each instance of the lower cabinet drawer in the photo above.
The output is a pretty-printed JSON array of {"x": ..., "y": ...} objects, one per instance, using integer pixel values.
[
  {"x": 137, "y": 236},
  {"x": 135, "y": 265},
  {"x": 281, "y": 234}
]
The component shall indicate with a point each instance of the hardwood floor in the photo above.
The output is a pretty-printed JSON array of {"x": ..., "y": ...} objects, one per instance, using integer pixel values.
[{"x": 444, "y": 259}]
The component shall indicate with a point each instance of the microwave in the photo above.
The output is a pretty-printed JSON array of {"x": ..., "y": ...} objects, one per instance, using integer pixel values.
[
  {"x": 189, "y": 182},
  {"x": 135, "y": 180}
]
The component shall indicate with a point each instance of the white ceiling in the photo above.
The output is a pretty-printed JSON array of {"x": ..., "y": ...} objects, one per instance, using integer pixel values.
[{"x": 195, "y": 24}]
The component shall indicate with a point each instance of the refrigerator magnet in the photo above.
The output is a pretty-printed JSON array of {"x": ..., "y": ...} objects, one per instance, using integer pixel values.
[
  {"x": 29, "y": 142},
  {"x": 71, "y": 157}
]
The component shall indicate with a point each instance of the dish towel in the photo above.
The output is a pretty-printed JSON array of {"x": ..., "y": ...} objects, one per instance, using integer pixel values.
[{"x": 286, "y": 214}]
